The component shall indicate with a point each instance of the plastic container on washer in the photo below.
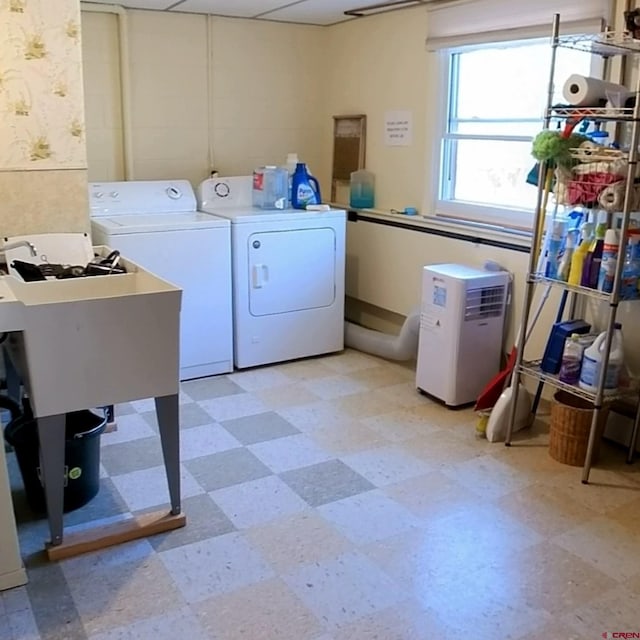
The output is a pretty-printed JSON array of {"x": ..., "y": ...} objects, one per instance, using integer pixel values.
[{"x": 270, "y": 187}]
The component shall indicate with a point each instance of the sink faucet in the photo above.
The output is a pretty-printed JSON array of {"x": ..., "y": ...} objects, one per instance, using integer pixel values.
[{"x": 20, "y": 243}]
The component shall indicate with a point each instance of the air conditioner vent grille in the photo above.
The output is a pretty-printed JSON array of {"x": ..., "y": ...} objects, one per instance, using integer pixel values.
[{"x": 487, "y": 302}]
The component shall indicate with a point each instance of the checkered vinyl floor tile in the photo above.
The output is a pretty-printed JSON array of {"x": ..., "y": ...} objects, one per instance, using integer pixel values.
[{"x": 328, "y": 500}]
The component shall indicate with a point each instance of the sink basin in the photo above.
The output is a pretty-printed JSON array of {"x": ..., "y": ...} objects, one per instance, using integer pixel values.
[
  {"x": 94, "y": 341},
  {"x": 54, "y": 292}
]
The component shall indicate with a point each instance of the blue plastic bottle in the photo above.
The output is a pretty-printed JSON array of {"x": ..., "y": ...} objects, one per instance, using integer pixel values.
[
  {"x": 554, "y": 248},
  {"x": 305, "y": 189},
  {"x": 631, "y": 271}
]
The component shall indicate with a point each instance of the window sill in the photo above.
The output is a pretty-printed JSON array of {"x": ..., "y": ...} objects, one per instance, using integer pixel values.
[{"x": 474, "y": 232}]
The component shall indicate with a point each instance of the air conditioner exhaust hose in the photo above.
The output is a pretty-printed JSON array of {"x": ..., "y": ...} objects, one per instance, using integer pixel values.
[{"x": 404, "y": 346}]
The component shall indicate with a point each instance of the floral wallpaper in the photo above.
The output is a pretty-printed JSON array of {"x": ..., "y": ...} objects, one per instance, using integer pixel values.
[{"x": 41, "y": 102}]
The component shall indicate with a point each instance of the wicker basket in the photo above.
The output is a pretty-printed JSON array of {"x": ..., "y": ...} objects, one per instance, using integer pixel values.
[{"x": 569, "y": 429}]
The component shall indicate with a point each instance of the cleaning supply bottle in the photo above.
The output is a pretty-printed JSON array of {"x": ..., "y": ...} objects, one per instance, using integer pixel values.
[
  {"x": 564, "y": 268},
  {"x": 579, "y": 254},
  {"x": 290, "y": 166},
  {"x": 571, "y": 360},
  {"x": 592, "y": 362},
  {"x": 362, "y": 189},
  {"x": 591, "y": 266},
  {"x": 554, "y": 248},
  {"x": 305, "y": 189},
  {"x": 270, "y": 187},
  {"x": 609, "y": 261},
  {"x": 631, "y": 270}
]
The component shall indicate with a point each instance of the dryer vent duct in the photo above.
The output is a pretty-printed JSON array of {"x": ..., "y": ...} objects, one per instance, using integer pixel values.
[{"x": 404, "y": 346}]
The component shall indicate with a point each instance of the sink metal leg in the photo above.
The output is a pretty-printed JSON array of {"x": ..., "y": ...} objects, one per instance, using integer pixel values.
[
  {"x": 167, "y": 412},
  {"x": 51, "y": 434}
]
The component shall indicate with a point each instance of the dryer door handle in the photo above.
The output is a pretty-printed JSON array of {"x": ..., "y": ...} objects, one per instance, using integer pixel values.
[{"x": 259, "y": 275}]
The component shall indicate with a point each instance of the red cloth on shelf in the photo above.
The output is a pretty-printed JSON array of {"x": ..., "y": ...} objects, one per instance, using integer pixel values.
[{"x": 585, "y": 188}]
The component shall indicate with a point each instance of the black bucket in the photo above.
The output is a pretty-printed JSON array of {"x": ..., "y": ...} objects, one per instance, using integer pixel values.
[{"x": 81, "y": 458}]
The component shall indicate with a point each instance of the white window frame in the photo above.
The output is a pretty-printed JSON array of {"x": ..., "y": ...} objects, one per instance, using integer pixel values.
[{"x": 447, "y": 210}]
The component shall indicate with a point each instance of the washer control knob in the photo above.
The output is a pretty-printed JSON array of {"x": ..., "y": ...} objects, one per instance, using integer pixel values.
[{"x": 174, "y": 193}]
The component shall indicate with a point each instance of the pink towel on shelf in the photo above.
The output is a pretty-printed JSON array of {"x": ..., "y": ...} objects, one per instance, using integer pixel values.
[{"x": 585, "y": 188}]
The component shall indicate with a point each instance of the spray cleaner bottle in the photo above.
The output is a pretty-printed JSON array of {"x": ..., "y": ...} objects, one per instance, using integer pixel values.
[
  {"x": 580, "y": 253},
  {"x": 554, "y": 247},
  {"x": 593, "y": 259},
  {"x": 609, "y": 262},
  {"x": 564, "y": 268}
]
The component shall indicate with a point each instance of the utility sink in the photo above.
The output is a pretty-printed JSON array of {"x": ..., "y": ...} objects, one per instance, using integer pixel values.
[{"x": 94, "y": 341}]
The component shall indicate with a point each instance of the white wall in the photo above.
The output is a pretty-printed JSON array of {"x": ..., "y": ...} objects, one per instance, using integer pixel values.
[
  {"x": 384, "y": 268},
  {"x": 205, "y": 92},
  {"x": 379, "y": 64},
  {"x": 168, "y": 67},
  {"x": 103, "y": 101},
  {"x": 268, "y": 93}
]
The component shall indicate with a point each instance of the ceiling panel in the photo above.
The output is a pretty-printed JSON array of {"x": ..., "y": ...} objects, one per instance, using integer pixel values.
[
  {"x": 321, "y": 12},
  {"x": 235, "y": 8},
  {"x": 141, "y": 4}
]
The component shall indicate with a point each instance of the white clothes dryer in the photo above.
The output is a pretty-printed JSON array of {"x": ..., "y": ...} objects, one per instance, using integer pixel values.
[
  {"x": 157, "y": 224},
  {"x": 288, "y": 275}
]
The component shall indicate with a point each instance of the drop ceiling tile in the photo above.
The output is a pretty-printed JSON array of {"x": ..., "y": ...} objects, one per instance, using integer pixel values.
[
  {"x": 321, "y": 12},
  {"x": 234, "y": 8},
  {"x": 159, "y": 5},
  {"x": 318, "y": 12}
]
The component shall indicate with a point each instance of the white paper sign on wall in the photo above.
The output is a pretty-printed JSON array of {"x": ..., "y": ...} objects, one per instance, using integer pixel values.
[{"x": 398, "y": 128}]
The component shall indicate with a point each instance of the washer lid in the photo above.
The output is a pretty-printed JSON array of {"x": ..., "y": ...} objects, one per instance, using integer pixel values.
[
  {"x": 156, "y": 222},
  {"x": 254, "y": 214}
]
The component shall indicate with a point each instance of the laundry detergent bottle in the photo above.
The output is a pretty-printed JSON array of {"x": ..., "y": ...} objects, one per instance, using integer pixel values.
[{"x": 305, "y": 189}]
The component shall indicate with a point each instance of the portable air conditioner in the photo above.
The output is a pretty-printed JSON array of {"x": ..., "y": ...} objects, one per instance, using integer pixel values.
[{"x": 461, "y": 331}]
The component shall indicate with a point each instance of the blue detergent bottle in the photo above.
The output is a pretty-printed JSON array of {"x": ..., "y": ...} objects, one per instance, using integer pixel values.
[{"x": 305, "y": 189}]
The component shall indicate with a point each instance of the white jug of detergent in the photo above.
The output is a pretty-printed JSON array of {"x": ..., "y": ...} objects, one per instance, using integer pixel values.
[{"x": 592, "y": 362}]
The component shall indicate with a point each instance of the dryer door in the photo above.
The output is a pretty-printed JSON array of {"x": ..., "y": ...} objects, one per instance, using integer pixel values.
[{"x": 291, "y": 270}]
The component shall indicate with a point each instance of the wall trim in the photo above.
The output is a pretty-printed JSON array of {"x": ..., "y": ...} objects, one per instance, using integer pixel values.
[{"x": 357, "y": 216}]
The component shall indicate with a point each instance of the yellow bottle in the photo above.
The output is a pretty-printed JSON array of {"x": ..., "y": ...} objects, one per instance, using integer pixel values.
[{"x": 579, "y": 254}]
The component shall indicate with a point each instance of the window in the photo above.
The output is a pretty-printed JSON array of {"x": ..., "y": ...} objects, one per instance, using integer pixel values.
[{"x": 496, "y": 97}]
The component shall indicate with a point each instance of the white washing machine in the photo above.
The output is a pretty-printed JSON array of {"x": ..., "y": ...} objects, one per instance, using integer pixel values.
[
  {"x": 157, "y": 224},
  {"x": 288, "y": 275}
]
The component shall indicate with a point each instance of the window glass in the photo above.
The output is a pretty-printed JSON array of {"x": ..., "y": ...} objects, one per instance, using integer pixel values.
[{"x": 496, "y": 101}]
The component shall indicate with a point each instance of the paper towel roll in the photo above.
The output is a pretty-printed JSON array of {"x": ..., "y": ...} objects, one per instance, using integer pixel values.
[{"x": 583, "y": 91}]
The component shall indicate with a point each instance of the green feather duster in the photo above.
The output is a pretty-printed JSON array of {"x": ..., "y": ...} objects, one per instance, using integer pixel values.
[{"x": 551, "y": 146}]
